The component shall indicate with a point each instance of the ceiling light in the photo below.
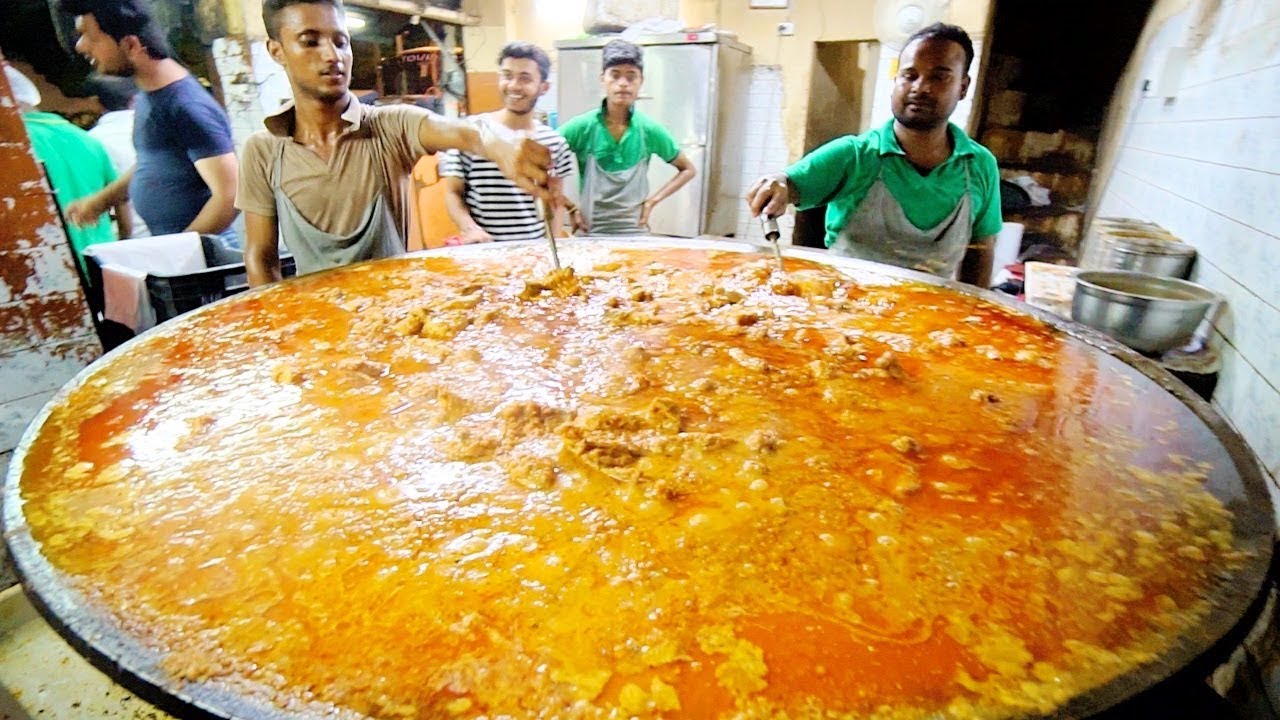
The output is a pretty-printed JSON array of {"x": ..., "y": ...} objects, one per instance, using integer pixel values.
[{"x": 355, "y": 22}]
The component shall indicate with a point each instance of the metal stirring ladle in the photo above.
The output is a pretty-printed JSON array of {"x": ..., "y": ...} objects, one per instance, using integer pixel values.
[
  {"x": 773, "y": 235},
  {"x": 545, "y": 212}
]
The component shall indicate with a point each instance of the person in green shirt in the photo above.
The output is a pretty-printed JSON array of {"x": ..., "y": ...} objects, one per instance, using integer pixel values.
[
  {"x": 916, "y": 192},
  {"x": 613, "y": 146},
  {"x": 75, "y": 163}
]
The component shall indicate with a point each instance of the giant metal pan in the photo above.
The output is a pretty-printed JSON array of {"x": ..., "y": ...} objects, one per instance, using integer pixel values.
[{"x": 1237, "y": 481}]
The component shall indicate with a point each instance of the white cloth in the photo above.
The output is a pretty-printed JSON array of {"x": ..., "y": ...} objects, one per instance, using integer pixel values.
[
  {"x": 125, "y": 299},
  {"x": 115, "y": 131},
  {"x": 1038, "y": 193},
  {"x": 651, "y": 26},
  {"x": 24, "y": 91},
  {"x": 1007, "y": 246},
  {"x": 126, "y": 265}
]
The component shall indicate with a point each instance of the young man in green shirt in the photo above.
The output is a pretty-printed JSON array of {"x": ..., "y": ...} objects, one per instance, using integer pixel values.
[
  {"x": 613, "y": 146},
  {"x": 916, "y": 192},
  {"x": 76, "y": 164}
]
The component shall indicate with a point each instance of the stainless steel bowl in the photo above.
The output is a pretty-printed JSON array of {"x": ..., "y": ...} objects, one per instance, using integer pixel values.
[
  {"x": 1147, "y": 250},
  {"x": 1148, "y": 313},
  {"x": 1143, "y": 260},
  {"x": 1094, "y": 246}
]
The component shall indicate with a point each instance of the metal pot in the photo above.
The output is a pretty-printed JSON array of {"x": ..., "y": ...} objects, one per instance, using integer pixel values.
[
  {"x": 1148, "y": 313},
  {"x": 1091, "y": 245},
  {"x": 1173, "y": 261},
  {"x": 1148, "y": 250},
  {"x": 1156, "y": 253}
]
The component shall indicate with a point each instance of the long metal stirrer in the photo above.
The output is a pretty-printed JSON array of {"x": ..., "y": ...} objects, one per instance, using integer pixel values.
[
  {"x": 773, "y": 235},
  {"x": 551, "y": 236}
]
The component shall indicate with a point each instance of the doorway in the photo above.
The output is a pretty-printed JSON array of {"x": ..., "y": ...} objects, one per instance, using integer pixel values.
[
  {"x": 1052, "y": 72},
  {"x": 840, "y": 93}
]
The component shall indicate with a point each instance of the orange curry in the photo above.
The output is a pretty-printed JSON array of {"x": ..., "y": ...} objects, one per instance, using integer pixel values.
[{"x": 673, "y": 483}]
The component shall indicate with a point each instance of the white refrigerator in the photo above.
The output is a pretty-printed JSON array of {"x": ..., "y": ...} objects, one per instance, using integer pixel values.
[{"x": 697, "y": 86}]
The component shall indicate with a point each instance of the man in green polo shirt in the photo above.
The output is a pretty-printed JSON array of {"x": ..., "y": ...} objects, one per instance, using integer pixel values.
[
  {"x": 916, "y": 192},
  {"x": 613, "y": 146},
  {"x": 77, "y": 165}
]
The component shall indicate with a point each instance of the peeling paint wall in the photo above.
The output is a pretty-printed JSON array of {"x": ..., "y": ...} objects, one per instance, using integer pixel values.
[
  {"x": 231, "y": 55},
  {"x": 252, "y": 85},
  {"x": 46, "y": 336}
]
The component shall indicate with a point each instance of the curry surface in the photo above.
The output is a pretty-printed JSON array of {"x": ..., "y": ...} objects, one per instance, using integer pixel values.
[{"x": 676, "y": 483}]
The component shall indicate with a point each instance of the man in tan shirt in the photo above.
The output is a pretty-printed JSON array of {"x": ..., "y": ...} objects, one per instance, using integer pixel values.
[{"x": 330, "y": 176}]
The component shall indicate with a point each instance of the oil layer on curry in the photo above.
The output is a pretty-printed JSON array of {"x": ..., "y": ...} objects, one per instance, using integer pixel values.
[{"x": 672, "y": 483}]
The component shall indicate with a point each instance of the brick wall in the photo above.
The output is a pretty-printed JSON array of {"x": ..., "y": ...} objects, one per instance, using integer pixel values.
[{"x": 1206, "y": 165}]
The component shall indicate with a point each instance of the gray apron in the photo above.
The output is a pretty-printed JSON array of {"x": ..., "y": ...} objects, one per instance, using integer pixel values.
[
  {"x": 611, "y": 201},
  {"x": 314, "y": 249},
  {"x": 880, "y": 231}
]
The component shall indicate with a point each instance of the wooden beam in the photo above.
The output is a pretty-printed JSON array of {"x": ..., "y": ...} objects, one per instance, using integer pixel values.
[{"x": 421, "y": 9}]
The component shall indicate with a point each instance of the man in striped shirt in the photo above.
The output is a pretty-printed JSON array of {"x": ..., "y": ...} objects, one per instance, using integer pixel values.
[{"x": 484, "y": 204}]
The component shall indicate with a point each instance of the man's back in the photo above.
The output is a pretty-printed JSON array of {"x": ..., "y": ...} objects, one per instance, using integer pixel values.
[{"x": 77, "y": 166}]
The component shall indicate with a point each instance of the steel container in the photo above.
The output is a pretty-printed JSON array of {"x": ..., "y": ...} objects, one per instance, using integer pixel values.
[
  {"x": 1124, "y": 246},
  {"x": 1090, "y": 244},
  {"x": 1147, "y": 312}
]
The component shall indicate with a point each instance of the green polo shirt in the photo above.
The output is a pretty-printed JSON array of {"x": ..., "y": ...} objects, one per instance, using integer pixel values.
[
  {"x": 840, "y": 173},
  {"x": 588, "y": 136},
  {"x": 78, "y": 166}
]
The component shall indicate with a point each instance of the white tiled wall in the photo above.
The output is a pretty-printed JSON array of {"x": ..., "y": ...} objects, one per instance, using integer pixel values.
[
  {"x": 765, "y": 149},
  {"x": 1206, "y": 165}
]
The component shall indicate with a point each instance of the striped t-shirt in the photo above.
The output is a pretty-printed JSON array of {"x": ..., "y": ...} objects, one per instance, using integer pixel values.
[{"x": 499, "y": 207}]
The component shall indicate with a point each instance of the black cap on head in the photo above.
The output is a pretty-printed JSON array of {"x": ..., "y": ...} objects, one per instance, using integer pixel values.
[
  {"x": 122, "y": 18},
  {"x": 621, "y": 52},
  {"x": 942, "y": 31}
]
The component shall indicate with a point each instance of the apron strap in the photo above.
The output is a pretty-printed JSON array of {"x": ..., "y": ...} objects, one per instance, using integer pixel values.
[
  {"x": 314, "y": 249},
  {"x": 879, "y": 230}
]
